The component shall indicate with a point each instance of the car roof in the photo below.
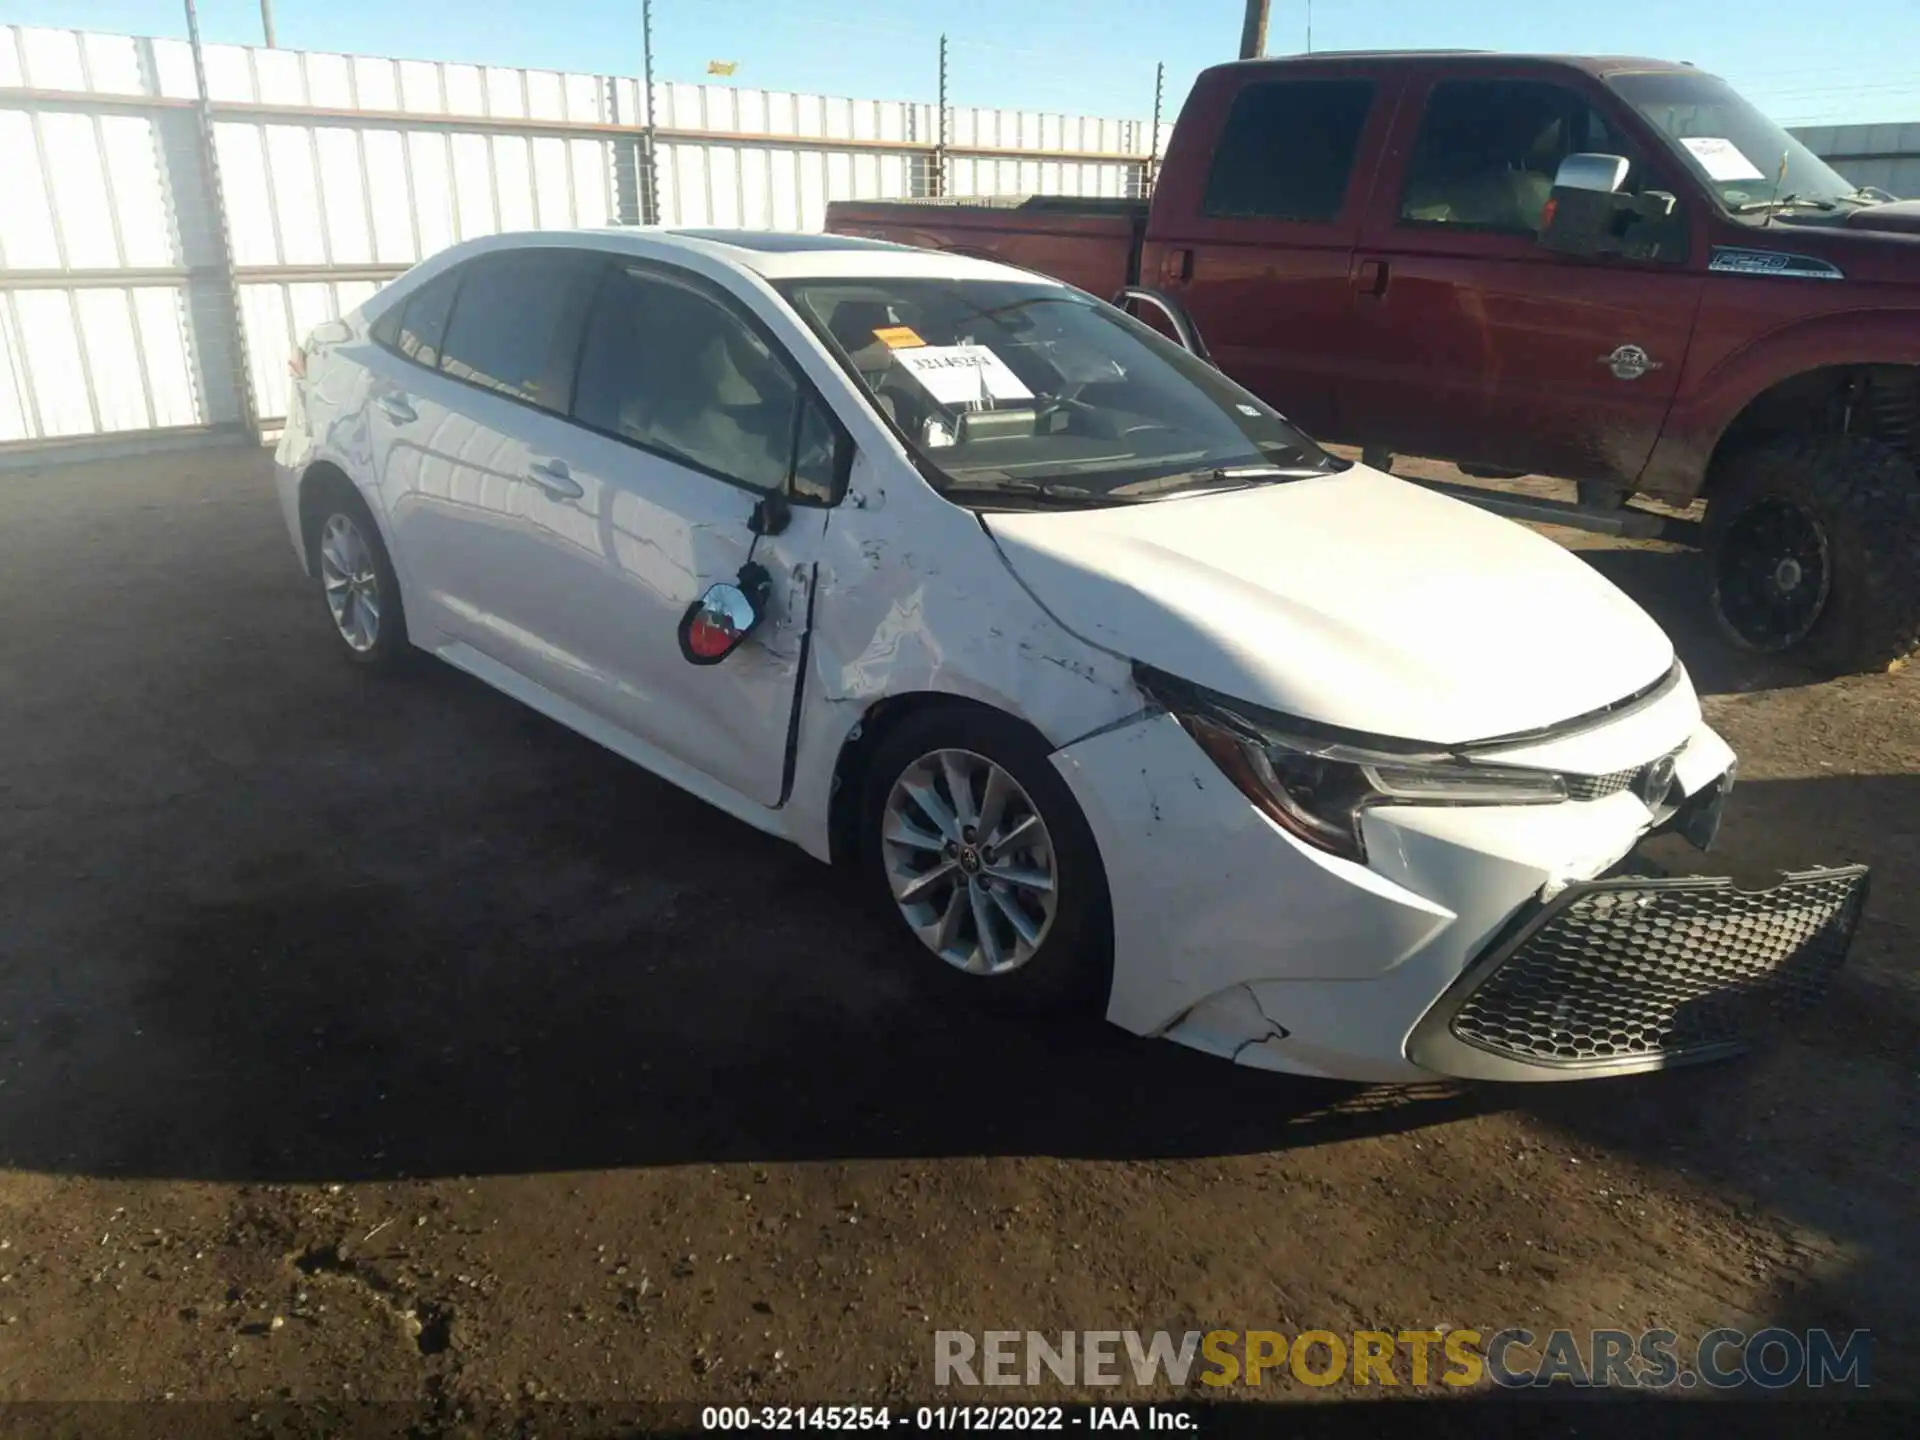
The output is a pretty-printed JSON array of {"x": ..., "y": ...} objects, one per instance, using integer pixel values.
[
  {"x": 1448, "y": 59},
  {"x": 771, "y": 254}
]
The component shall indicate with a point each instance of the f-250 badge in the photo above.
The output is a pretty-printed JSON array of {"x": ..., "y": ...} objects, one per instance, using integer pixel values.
[{"x": 1629, "y": 362}]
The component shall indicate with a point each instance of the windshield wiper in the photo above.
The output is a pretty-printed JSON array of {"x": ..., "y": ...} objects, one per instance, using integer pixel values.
[
  {"x": 1785, "y": 202},
  {"x": 1038, "y": 490},
  {"x": 1222, "y": 477},
  {"x": 1139, "y": 492}
]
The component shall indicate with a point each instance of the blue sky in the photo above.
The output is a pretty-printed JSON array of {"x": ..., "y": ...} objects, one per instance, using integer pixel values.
[{"x": 1801, "y": 63}]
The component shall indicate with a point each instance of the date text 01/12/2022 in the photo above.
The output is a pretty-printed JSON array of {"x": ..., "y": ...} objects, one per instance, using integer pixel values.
[{"x": 945, "y": 1418}]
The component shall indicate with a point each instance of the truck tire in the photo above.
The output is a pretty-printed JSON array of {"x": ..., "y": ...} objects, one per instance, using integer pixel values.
[{"x": 1814, "y": 546}]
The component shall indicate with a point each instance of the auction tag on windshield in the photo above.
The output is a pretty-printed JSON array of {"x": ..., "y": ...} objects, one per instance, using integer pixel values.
[
  {"x": 1721, "y": 159},
  {"x": 898, "y": 337},
  {"x": 961, "y": 374}
]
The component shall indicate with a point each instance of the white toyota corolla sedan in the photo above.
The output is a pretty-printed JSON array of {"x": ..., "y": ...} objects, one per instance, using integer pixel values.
[{"x": 1117, "y": 687}]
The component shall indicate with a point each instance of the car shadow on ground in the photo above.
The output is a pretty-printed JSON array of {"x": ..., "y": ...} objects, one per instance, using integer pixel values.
[
  {"x": 597, "y": 971},
  {"x": 542, "y": 959}
]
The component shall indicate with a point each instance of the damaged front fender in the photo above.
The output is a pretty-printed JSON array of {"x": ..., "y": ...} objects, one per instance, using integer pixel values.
[{"x": 914, "y": 599}]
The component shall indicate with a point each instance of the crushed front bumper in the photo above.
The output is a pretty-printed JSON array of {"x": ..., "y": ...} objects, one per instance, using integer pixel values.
[
  {"x": 1626, "y": 974},
  {"x": 1235, "y": 938}
]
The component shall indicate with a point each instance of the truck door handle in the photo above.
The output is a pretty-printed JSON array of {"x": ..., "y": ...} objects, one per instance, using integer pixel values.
[
  {"x": 397, "y": 408},
  {"x": 1371, "y": 278},
  {"x": 553, "y": 477},
  {"x": 1176, "y": 266}
]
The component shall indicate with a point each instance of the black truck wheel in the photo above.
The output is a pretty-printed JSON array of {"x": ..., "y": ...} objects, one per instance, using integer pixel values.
[{"x": 1814, "y": 545}]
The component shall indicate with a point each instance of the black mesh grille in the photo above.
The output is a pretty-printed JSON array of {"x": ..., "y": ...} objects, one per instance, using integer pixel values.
[
  {"x": 1598, "y": 787},
  {"x": 1618, "y": 970}
]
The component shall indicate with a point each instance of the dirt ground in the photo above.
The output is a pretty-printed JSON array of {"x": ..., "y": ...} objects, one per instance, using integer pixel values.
[{"x": 370, "y": 1040}]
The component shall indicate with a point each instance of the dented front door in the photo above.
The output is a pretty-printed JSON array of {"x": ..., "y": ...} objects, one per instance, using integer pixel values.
[{"x": 683, "y": 419}]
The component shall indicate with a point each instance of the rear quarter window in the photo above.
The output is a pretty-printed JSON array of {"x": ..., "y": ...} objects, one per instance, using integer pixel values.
[
  {"x": 423, "y": 324},
  {"x": 1287, "y": 150}
]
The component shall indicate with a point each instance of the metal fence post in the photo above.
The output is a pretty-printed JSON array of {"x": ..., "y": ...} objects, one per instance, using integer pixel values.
[
  {"x": 222, "y": 233},
  {"x": 940, "y": 128},
  {"x": 1152, "y": 167},
  {"x": 649, "y": 196}
]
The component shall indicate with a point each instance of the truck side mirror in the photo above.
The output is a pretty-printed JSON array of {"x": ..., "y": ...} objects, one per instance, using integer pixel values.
[
  {"x": 1604, "y": 173},
  {"x": 1594, "y": 218}
]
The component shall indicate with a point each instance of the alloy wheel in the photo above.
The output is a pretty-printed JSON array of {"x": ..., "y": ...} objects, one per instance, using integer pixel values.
[
  {"x": 1772, "y": 573},
  {"x": 969, "y": 861},
  {"x": 352, "y": 584}
]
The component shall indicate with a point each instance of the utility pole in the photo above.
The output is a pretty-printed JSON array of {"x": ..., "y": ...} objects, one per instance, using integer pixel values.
[
  {"x": 1253, "y": 32},
  {"x": 266, "y": 21}
]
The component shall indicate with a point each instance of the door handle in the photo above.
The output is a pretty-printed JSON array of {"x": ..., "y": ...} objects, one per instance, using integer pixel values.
[
  {"x": 397, "y": 408},
  {"x": 1371, "y": 279},
  {"x": 1176, "y": 266},
  {"x": 553, "y": 477}
]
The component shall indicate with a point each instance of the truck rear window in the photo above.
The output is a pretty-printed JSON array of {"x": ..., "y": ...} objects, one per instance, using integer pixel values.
[{"x": 1287, "y": 150}]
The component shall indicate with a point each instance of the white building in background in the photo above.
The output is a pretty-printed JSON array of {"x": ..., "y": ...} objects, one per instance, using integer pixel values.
[{"x": 1883, "y": 155}]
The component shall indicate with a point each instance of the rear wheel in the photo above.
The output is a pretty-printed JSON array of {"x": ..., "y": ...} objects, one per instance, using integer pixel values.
[
  {"x": 975, "y": 842},
  {"x": 1814, "y": 546},
  {"x": 356, "y": 578}
]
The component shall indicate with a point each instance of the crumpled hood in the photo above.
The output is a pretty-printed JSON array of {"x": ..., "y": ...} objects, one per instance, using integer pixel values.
[{"x": 1356, "y": 600}]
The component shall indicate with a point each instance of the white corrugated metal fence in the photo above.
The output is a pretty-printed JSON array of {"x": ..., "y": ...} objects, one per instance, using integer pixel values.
[{"x": 339, "y": 171}]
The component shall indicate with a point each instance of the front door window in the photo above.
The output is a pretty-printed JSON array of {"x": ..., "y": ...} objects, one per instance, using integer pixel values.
[{"x": 1488, "y": 150}]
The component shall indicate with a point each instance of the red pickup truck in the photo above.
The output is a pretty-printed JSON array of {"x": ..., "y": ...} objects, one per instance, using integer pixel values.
[{"x": 1613, "y": 271}]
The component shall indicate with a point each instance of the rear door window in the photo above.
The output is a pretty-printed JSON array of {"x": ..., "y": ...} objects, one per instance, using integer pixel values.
[
  {"x": 1288, "y": 149},
  {"x": 515, "y": 324}
]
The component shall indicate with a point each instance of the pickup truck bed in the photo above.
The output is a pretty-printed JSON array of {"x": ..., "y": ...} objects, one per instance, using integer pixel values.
[{"x": 1091, "y": 242}]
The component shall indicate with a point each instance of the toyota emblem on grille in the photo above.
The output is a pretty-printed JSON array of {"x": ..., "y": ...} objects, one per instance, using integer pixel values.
[{"x": 1652, "y": 783}]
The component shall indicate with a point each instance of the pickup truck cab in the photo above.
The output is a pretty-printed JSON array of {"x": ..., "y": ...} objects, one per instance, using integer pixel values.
[{"x": 1614, "y": 271}]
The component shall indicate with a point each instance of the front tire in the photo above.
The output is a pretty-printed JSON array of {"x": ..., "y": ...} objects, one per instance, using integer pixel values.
[
  {"x": 356, "y": 577},
  {"x": 974, "y": 843},
  {"x": 1814, "y": 546}
]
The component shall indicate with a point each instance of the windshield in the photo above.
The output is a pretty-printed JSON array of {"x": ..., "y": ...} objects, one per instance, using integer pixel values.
[
  {"x": 1737, "y": 151},
  {"x": 1039, "y": 391}
]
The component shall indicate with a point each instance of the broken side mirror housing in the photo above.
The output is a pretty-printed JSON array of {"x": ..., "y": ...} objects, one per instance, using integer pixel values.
[
  {"x": 771, "y": 515},
  {"x": 719, "y": 622}
]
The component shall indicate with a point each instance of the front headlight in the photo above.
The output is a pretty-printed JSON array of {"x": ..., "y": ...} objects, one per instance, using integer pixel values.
[{"x": 1316, "y": 788}]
